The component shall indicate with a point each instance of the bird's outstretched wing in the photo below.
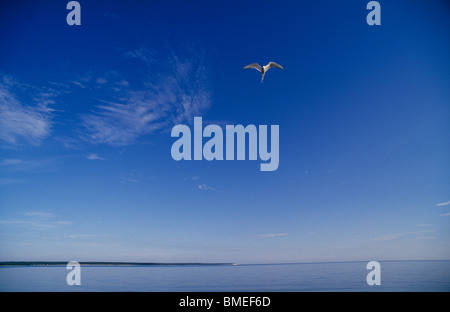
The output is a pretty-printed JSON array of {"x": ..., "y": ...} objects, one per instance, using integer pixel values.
[
  {"x": 254, "y": 65},
  {"x": 273, "y": 65}
]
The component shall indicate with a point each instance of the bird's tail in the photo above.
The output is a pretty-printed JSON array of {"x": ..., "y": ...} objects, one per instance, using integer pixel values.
[{"x": 262, "y": 77}]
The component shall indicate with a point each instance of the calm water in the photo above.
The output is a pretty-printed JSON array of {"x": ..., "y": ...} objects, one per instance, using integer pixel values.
[{"x": 349, "y": 276}]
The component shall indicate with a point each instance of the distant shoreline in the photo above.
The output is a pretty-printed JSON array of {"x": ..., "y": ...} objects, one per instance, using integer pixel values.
[
  {"x": 124, "y": 263},
  {"x": 102, "y": 263}
]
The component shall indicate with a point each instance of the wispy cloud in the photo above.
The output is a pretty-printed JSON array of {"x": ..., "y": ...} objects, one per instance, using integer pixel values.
[
  {"x": 39, "y": 214},
  {"x": 443, "y": 204},
  {"x": 36, "y": 220},
  {"x": 174, "y": 90},
  {"x": 270, "y": 235},
  {"x": 77, "y": 83},
  {"x": 135, "y": 177},
  {"x": 193, "y": 178},
  {"x": 94, "y": 157},
  {"x": 61, "y": 222},
  {"x": 205, "y": 187},
  {"x": 445, "y": 214},
  {"x": 398, "y": 235},
  {"x": 148, "y": 56},
  {"x": 19, "y": 164},
  {"x": 83, "y": 81},
  {"x": 9, "y": 181},
  {"x": 82, "y": 236},
  {"x": 68, "y": 142},
  {"x": 101, "y": 80},
  {"x": 427, "y": 237},
  {"x": 29, "y": 121},
  {"x": 121, "y": 124},
  {"x": 11, "y": 161}
]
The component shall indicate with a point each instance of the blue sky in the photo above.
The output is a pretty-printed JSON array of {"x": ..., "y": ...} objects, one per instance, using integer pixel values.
[{"x": 86, "y": 113}]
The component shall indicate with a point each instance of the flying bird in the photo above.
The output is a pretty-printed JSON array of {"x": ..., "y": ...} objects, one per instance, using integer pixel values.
[{"x": 263, "y": 69}]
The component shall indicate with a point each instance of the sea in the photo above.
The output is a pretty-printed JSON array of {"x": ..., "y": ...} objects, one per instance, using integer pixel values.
[{"x": 394, "y": 276}]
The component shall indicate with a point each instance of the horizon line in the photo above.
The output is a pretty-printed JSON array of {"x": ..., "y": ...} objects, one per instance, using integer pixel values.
[{"x": 131, "y": 263}]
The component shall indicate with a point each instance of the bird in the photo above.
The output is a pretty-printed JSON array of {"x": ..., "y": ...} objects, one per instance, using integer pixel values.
[{"x": 263, "y": 69}]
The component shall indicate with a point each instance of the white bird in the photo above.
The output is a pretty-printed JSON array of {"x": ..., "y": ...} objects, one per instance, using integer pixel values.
[{"x": 264, "y": 68}]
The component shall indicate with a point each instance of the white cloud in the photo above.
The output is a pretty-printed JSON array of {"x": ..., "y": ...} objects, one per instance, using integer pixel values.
[
  {"x": 135, "y": 177},
  {"x": 11, "y": 161},
  {"x": 129, "y": 180},
  {"x": 121, "y": 124},
  {"x": 427, "y": 237},
  {"x": 149, "y": 57},
  {"x": 36, "y": 220},
  {"x": 38, "y": 214},
  {"x": 443, "y": 204},
  {"x": 82, "y": 235},
  {"x": 173, "y": 90},
  {"x": 8, "y": 181},
  {"x": 206, "y": 187},
  {"x": 77, "y": 83},
  {"x": 445, "y": 214},
  {"x": 68, "y": 142},
  {"x": 101, "y": 80},
  {"x": 397, "y": 235},
  {"x": 123, "y": 83},
  {"x": 270, "y": 235},
  {"x": 18, "y": 164},
  {"x": 19, "y": 121},
  {"x": 193, "y": 178},
  {"x": 94, "y": 157}
]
